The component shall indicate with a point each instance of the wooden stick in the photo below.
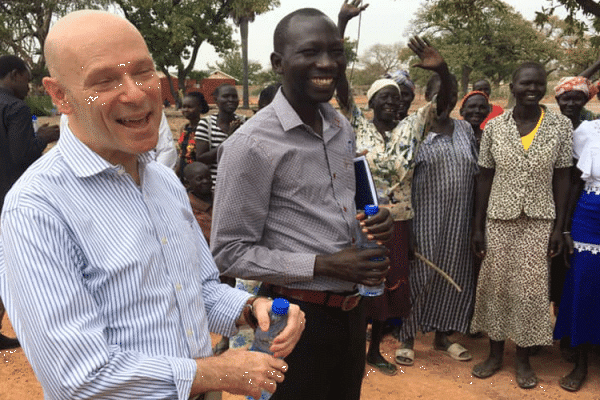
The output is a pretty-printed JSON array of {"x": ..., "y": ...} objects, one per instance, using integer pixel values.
[{"x": 438, "y": 270}]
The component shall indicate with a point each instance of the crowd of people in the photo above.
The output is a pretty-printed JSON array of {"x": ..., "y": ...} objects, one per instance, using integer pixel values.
[{"x": 120, "y": 252}]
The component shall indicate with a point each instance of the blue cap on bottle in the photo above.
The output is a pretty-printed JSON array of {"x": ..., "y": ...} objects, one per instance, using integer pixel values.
[
  {"x": 280, "y": 306},
  {"x": 371, "y": 209}
]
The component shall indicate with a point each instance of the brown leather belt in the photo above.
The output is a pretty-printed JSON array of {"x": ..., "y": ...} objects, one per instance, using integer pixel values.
[{"x": 343, "y": 302}]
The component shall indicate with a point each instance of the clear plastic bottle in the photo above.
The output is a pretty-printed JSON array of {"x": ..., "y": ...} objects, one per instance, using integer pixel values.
[
  {"x": 364, "y": 243},
  {"x": 35, "y": 123},
  {"x": 263, "y": 340}
]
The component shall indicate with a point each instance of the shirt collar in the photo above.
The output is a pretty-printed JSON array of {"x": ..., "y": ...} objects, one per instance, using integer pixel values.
[
  {"x": 289, "y": 118},
  {"x": 84, "y": 161}
]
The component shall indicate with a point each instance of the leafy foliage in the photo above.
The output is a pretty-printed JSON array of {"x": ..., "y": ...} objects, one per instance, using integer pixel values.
[
  {"x": 232, "y": 64},
  {"x": 485, "y": 37},
  {"x": 24, "y": 26}
]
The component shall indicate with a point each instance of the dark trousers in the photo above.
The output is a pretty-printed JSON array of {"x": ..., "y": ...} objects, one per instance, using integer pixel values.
[{"x": 329, "y": 359}]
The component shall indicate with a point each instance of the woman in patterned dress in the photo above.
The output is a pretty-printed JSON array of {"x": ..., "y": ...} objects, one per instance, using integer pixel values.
[
  {"x": 521, "y": 196},
  {"x": 442, "y": 197},
  {"x": 390, "y": 148}
]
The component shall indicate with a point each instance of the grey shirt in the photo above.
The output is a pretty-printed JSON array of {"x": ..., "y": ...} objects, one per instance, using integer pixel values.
[{"x": 285, "y": 194}]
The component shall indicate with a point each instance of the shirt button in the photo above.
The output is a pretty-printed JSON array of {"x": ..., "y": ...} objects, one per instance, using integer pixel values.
[
  {"x": 345, "y": 209},
  {"x": 189, "y": 332},
  {"x": 334, "y": 175},
  {"x": 163, "y": 240},
  {"x": 120, "y": 171},
  {"x": 178, "y": 287}
]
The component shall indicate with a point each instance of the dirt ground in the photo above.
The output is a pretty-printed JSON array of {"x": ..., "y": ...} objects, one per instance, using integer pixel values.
[{"x": 434, "y": 375}]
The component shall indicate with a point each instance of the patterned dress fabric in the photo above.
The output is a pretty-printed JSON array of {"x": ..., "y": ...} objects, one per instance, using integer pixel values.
[
  {"x": 512, "y": 300},
  {"x": 443, "y": 203},
  {"x": 579, "y": 312},
  {"x": 392, "y": 163}
]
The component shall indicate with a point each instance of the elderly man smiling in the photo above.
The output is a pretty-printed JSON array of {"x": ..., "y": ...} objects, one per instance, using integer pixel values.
[{"x": 106, "y": 275}]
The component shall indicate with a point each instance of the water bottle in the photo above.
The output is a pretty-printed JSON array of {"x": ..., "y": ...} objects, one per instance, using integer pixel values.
[
  {"x": 34, "y": 122},
  {"x": 364, "y": 243},
  {"x": 263, "y": 340}
]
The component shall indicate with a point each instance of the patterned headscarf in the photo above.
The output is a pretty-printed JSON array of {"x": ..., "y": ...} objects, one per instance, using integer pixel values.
[
  {"x": 471, "y": 94},
  {"x": 570, "y": 83},
  {"x": 380, "y": 84},
  {"x": 401, "y": 77}
]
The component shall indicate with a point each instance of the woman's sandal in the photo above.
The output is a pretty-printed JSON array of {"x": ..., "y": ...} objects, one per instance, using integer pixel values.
[{"x": 405, "y": 356}]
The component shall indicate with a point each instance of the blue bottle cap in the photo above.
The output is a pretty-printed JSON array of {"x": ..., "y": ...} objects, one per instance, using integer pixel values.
[
  {"x": 371, "y": 209},
  {"x": 280, "y": 306},
  {"x": 34, "y": 117}
]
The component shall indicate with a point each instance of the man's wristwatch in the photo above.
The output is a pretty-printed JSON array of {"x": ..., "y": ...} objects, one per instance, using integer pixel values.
[{"x": 248, "y": 313}]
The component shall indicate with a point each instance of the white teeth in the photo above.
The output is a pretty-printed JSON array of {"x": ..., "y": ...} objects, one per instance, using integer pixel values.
[{"x": 322, "y": 81}]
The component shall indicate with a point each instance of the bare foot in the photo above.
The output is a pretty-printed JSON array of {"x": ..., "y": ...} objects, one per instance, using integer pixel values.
[
  {"x": 526, "y": 378},
  {"x": 574, "y": 380}
]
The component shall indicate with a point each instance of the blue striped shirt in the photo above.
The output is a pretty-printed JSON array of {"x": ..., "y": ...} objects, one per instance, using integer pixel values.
[{"x": 110, "y": 286}]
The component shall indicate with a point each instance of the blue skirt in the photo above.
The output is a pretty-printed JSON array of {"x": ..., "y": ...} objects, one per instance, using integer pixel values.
[{"x": 579, "y": 312}]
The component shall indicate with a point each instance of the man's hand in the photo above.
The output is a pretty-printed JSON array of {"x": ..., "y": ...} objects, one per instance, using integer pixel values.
[
  {"x": 48, "y": 133},
  {"x": 350, "y": 9},
  {"x": 239, "y": 372},
  {"x": 355, "y": 265},
  {"x": 431, "y": 59},
  {"x": 285, "y": 342},
  {"x": 379, "y": 227}
]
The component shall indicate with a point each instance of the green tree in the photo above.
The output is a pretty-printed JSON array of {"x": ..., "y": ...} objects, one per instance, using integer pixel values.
[
  {"x": 24, "y": 26},
  {"x": 232, "y": 64},
  {"x": 175, "y": 30},
  {"x": 242, "y": 13},
  {"x": 486, "y": 37}
]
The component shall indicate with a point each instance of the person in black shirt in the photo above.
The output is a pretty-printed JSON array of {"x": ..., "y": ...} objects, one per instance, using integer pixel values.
[{"x": 20, "y": 146}]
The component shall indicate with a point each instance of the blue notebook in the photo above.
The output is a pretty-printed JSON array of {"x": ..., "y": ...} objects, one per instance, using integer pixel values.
[{"x": 365, "y": 187}]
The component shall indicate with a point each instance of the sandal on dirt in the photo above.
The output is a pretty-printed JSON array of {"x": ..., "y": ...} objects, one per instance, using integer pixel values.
[
  {"x": 384, "y": 367},
  {"x": 480, "y": 371},
  {"x": 528, "y": 381},
  {"x": 457, "y": 352},
  {"x": 570, "y": 384},
  {"x": 405, "y": 356}
]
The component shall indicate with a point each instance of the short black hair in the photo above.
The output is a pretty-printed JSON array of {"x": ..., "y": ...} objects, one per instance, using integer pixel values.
[
  {"x": 215, "y": 92},
  {"x": 9, "y": 63},
  {"x": 280, "y": 34},
  {"x": 267, "y": 94},
  {"x": 201, "y": 101},
  {"x": 528, "y": 65}
]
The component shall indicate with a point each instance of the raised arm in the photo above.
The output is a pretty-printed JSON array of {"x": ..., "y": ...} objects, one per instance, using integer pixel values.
[
  {"x": 349, "y": 10},
  {"x": 432, "y": 60},
  {"x": 591, "y": 70}
]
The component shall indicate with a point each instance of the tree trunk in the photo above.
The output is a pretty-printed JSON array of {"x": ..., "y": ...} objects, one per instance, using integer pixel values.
[
  {"x": 244, "y": 34},
  {"x": 466, "y": 73}
]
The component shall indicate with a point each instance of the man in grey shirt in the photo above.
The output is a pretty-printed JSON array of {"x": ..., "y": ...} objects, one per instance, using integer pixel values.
[{"x": 284, "y": 211}]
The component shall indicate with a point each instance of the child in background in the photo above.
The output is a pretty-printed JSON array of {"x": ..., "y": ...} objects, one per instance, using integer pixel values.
[{"x": 197, "y": 179}]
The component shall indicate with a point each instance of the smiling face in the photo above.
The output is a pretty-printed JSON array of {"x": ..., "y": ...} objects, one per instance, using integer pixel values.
[
  {"x": 475, "y": 109},
  {"x": 406, "y": 98},
  {"x": 227, "y": 99},
  {"x": 109, "y": 87},
  {"x": 190, "y": 108},
  {"x": 385, "y": 104},
  {"x": 571, "y": 103},
  {"x": 529, "y": 86},
  {"x": 311, "y": 61}
]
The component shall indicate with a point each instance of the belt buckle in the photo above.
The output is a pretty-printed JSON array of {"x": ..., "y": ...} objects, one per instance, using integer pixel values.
[{"x": 350, "y": 302}]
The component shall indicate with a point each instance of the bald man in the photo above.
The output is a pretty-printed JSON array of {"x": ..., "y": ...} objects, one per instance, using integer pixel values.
[{"x": 106, "y": 276}]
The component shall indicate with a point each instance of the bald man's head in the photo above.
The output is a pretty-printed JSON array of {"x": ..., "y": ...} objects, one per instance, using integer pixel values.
[{"x": 103, "y": 77}]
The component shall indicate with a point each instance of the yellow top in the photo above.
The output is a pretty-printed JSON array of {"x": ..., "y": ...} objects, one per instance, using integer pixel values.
[{"x": 527, "y": 139}]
